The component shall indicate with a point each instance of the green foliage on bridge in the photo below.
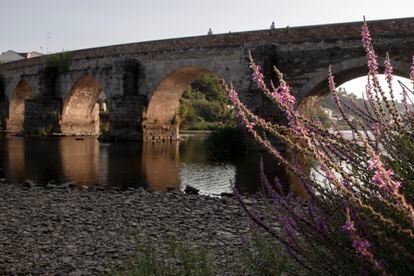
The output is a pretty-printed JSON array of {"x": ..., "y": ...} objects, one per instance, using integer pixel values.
[
  {"x": 60, "y": 62},
  {"x": 205, "y": 106}
]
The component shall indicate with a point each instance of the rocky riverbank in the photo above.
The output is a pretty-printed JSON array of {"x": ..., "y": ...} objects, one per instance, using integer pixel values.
[{"x": 83, "y": 232}]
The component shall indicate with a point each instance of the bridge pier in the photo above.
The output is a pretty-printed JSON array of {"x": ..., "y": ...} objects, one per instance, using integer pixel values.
[
  {"x": 153, "y": 132},
  {"x": 125, "y": 117},
  {"x": 42, "y": 116},
  {"x": 4, "y": 110}
]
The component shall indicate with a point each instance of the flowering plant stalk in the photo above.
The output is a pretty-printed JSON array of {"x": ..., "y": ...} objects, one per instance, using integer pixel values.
[{"x": 357, "y": 215}]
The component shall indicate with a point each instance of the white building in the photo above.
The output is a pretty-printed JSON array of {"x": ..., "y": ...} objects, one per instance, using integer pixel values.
[{"x": 11, "y": 55}]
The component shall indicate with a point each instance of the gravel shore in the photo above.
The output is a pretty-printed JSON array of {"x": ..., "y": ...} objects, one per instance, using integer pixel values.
[{"x": 89, "y": 232}]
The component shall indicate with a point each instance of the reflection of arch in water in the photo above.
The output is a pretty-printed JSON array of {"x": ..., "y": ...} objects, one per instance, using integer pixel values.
[
  {"x": 80, "y": 114},
  {"x": 38, "y": 168},
  {"x": 160, "y": 165},
  {"x": 15, "y": 159},
  {"x": 80, "y": 160},
  {"x": 161, "y": 122},
  {"x": 121, "y": 164},
  {"x": 21, "y": 93}
]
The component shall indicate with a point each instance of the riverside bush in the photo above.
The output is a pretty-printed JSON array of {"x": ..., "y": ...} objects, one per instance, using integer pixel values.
[
  {"x": 179, "y": 260},
  {"x": 227, "y": 143},
  {"x": 357, "y": 214}
]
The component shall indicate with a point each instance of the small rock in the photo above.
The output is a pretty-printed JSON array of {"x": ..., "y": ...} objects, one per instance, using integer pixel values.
[
  {"x": 170, "y": 189},
  {"x": 50, "y": 186},
  {"x": 224, "y": 194},
  {"x": 28, "y": 183},
  {"x": 66, "y": 260},
  {"x": 77, "y": 273},
  {"x": 191, "y": 190},
  {"x": 68, "y": 185},
  {"x": 128, "y": 201},
  {"x": 100, "y": 268}
]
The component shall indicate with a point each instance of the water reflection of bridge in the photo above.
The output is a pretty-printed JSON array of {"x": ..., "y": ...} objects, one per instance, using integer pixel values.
[
  {"x": 86, "y": 162},
  {"x": 156, "y": 166}
]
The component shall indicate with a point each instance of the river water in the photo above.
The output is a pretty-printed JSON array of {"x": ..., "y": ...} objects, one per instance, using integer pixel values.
[{"x": 154, "y": 166}]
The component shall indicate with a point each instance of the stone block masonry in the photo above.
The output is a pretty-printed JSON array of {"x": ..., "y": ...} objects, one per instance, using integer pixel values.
[{"x": 42, "y": 116}]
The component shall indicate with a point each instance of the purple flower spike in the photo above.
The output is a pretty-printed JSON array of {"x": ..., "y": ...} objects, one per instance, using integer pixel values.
[
  {"x": 258, "y": 77},
  {"x": 349, "y": 227},
  {"x": 362, "y": 247},
  {"x": 388, "y": 70},
  {"x": 328, "y": 173},
  {"x": 369, "y": 49},
  {"x": 376, "y": 129},
  {"x": 284, "y": 96},
  {"x": 383, "y": 177},
  {"x": 412, "y": 71},
  {"x": 368, "y": 89}
]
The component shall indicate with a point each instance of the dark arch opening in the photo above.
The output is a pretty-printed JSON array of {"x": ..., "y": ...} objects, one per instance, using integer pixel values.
[
  {"x": 82, "y": 108},
  {"x": 3, "y": 105},
  {"x": 161, "y": 121},
  {"x": 21, "y": 93},
  {"x": 2, "y": 90}
]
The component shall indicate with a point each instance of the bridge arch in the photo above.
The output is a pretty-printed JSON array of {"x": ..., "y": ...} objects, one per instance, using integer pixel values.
[
  {"x": 310, "y": 95},
  {"x": 160, "y": 120},
  {"x": 80, "y": 112},
  {"x": 20, "y": 94}
]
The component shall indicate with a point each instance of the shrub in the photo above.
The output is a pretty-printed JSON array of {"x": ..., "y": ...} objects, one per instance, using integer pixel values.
[
  {"x": 179, "y": 260},
  {"x": 204, "y": 106},
  {"x": 227, "y": 143},
  {"x": 356, "y": 215},
  {"x": 60, "y": 62},
  {"x": 264, "y": 256}
]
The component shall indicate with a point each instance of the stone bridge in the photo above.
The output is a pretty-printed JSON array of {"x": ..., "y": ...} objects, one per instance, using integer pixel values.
[{"x": 143, "y": 82}]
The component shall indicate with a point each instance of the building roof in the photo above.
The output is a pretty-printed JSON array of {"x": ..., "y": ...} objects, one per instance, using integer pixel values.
[{"x": 11, "y": 55}]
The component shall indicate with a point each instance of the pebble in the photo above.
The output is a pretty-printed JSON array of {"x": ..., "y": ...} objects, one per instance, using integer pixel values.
[{"x": 89, "y": 232}]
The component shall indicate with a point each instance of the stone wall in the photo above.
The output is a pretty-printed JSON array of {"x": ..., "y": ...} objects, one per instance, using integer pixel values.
[
  {"x": 42, "y": 116},
  {"x": 125, "y": 115}
]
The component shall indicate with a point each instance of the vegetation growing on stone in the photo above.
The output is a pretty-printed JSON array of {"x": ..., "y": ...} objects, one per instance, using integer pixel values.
[{"x": 60, "y": 61}]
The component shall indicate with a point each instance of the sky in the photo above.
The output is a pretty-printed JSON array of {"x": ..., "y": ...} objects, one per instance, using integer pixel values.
[
  {"x": 56, "y": 25},
  {"x": 78, "y": 24},
  {"x": 357, "y": 86}
]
